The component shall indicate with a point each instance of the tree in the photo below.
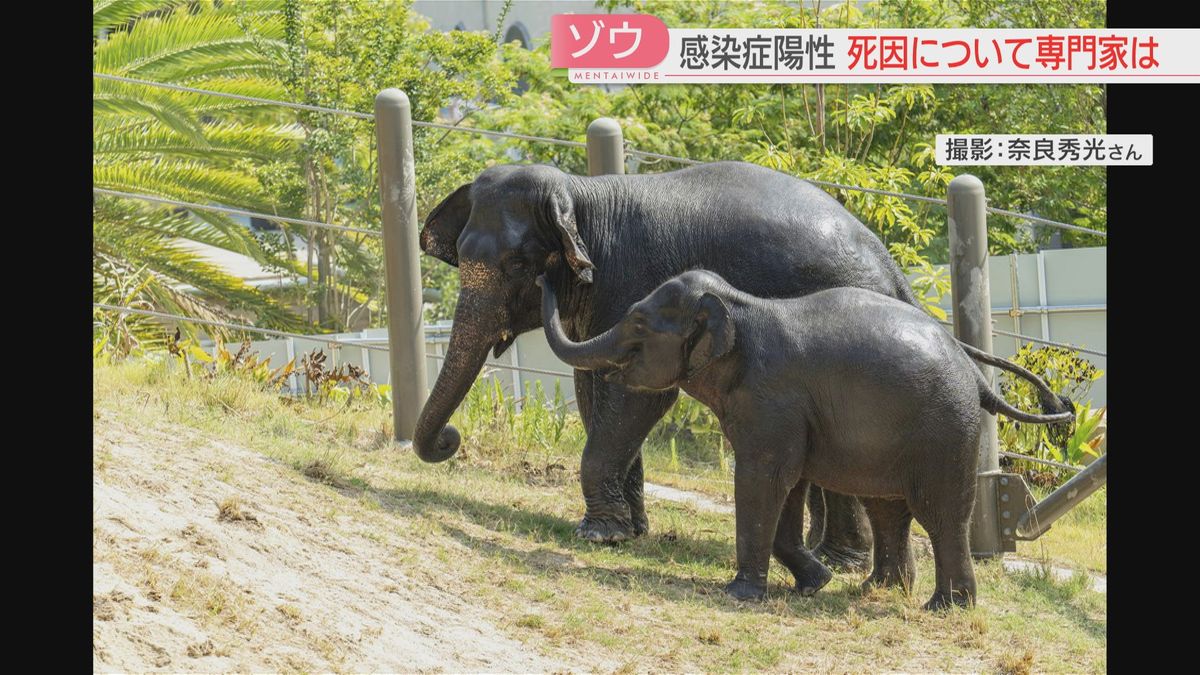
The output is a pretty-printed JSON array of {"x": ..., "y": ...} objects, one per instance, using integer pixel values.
[
  {"x": 876, "y": 136},
  {"x": 265, "y": 158},
  {"x": 341, "y": 54},
  {"x": 184, "y": 146}
]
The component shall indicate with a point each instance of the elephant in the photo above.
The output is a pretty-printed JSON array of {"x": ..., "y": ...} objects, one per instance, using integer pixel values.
[
  {"x": 608, "y": 241},
  {"x": 844, "y": 388}
]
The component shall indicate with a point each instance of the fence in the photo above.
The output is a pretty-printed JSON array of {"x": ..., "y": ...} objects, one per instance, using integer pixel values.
[
  {"x": 997, "y": 522},
  {"x": 1059, "y": 297}
]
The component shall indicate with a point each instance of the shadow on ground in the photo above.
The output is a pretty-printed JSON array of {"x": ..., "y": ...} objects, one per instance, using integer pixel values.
[{"x": 652, "y": 555}]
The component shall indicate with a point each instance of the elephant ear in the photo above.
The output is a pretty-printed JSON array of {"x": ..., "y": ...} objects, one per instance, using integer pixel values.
[
  {"x": 712, "y": 334},
  {"x": 562, "y": 216},
  {"x": 439, "y": 237}
]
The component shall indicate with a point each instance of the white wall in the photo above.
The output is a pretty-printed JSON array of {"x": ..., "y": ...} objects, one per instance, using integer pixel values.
[
  {"x": 474, "y": 15},
  {"x": 1076, "y": 294}
]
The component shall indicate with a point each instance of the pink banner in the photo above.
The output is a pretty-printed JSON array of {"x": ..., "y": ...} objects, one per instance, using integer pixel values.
[{"x": 607, "y": 41}]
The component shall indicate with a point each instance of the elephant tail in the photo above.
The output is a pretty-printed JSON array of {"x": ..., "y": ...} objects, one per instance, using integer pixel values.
[{"x": 1056, "y": 408}]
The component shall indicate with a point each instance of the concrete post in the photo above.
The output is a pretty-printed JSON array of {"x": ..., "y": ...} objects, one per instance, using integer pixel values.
[
  {"x": 605, "y": 147},
  {"x": 398, "y": 196},
  {"x": 973, "y": 324}
]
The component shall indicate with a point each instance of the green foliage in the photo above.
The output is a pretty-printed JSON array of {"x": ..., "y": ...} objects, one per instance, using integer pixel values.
[
  {"x": 117, "y": 336},
  {"x": 1066, "y": 373},
  {"x": 876, "y": 136},
  {"x": 1064, "y": 370},
  {"x": 1084, "y": 441},
  {"x": 333, "y": 53},
  {"x": 183, "y": 146},
  {"x": 693, "y": 432},
  {"x": 1072, "y": 194},
  {"x": 496, "y": 423},
  {"x": 341, "y": 54}
]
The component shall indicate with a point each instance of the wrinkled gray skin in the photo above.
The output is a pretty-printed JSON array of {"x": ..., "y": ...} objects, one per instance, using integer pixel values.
[
  {"x": 844, "y": 388},
  {"x": 619, "y": 237}
]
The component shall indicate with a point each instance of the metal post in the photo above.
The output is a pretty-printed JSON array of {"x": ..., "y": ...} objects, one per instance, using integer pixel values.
[
  {"x": 1037, "y": 520},
  {"x": 605, "y": 147},
  {"x": 967, "y": 209},
  {"x": 1014, "y": 285},
  {"x": 398, "y": 195}
]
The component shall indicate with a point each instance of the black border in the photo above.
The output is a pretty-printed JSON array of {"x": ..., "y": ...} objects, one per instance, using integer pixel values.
[{"x": 1152, "y": 214}]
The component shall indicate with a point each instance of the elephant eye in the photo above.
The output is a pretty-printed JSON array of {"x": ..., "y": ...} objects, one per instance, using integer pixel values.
[{"x": 514, "y": 265}]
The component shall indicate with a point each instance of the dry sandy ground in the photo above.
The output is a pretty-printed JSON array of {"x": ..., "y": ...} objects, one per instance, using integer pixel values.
[
  {"x": 308, "y": 579},
  {"x": 288, "y": 588}
]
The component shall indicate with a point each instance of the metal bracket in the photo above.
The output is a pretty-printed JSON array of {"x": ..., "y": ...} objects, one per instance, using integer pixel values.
[{"x": 1013, "y": 500}]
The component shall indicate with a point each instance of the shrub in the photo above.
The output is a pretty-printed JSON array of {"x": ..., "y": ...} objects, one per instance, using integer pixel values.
[{"x": 1066, "y": 373}]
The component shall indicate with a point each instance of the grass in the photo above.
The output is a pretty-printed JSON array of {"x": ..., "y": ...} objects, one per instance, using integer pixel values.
[
  {"x": 230, "y": 510},
  {"x": 1078, "y": 539},
  {"x": 497, "y": 526}
]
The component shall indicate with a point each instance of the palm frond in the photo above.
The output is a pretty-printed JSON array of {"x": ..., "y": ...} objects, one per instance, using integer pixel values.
[
  {"x": 171, "y": 268},
  {"x": 223, "y": 142},
  {"x": 118, "y": 118},
  {"x": 192, "y": 147},
  {"x": 115, "y": 13},
  {"x": 186, "y": 180},
  {"x": 165, "y": 49},
  {"x": 177, "y": 117},
  {"x": 225, "y": 234}
]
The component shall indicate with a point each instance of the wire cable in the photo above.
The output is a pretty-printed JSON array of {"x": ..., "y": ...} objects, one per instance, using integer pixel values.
[
  {"x": 315, "y": 338},
  {"x": 574, "y": 144},
  {"x": 236, "y": 212},
  {"x": 235, "y": 326}
]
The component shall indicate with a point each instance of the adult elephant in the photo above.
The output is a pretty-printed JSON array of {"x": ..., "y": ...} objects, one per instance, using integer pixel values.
[{"x": 606, "y": 242}]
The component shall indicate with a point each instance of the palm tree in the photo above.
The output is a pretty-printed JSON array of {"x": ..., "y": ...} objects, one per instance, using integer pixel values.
[{"x": 189, "y": 147}]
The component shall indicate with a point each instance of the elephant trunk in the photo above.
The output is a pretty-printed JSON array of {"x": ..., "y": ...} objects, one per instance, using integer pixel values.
[
  {"x": 472, "y": 336},
  {"x": 599, "y": 352}
]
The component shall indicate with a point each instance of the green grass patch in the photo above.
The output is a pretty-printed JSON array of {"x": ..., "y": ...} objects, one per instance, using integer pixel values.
[{"x": 496, "y": 524}]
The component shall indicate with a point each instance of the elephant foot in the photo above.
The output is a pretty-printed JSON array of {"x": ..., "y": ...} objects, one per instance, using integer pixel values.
[
  {"x": 641, "y": 524},
  {"x": 843, "y": 559},
  {"x": 745, "y": 589},
  {"x": 888, "y": 578},
  {"x": 942, "y": 601},
  {"x": 813, "y": 580},
  {"x": 608, "y": 530},
  {"x": 810, "y": 574}
]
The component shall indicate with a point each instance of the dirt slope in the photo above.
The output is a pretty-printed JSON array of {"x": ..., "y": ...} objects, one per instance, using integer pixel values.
[{"x": 275, "y": 581}]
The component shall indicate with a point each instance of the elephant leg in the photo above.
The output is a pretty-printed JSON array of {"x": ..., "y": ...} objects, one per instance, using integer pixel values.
[
  {"x": 947, "y": 519},
  {"x": 634, "y": 480},
  {"x": 634, "y": 490},
  {"x": 846, "y": 536},
  {"x": 894, "y": 565},
  {"x": 583, "y": 397},
  {"x": 816, "y": 517},
  {"x": 620, "y": 420},
  {"x": 810, "y": 574},
  {"x": 762, "y": 482}
]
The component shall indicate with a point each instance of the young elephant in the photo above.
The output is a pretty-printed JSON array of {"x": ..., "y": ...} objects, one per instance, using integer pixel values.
[{"x": 851, "y": 390}]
